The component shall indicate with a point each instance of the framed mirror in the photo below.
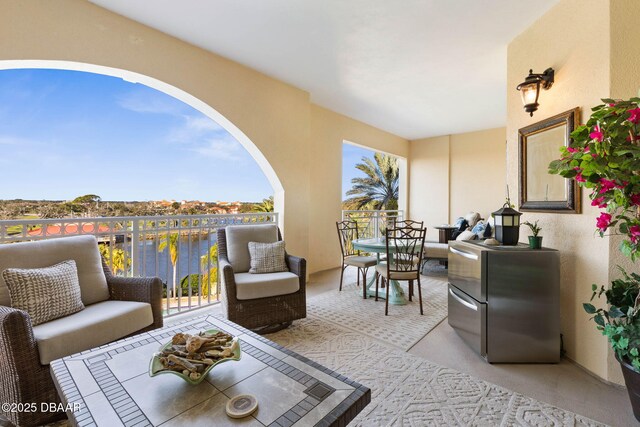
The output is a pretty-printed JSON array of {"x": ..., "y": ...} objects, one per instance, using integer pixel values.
[{"x": 539, "y": 144}]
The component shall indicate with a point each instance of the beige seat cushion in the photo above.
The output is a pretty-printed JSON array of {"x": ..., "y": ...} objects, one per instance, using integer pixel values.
[
  {"x": 395, "y": 275},
  {"x": 94, "y": 326},
  {"x": 361, "y": 261},
  {"x": 253, "y": 286},
  {"x": 238, "y": 238},
  {"x": 45, "y": 253},
  {"x": 436, "y": 250}
]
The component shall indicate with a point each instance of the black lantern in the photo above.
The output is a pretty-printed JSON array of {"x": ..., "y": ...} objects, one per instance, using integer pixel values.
[
  {"x": 530, "y": 88},
  {"x": 507, "y": 222}
]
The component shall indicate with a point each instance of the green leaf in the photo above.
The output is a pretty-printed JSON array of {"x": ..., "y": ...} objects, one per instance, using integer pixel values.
[
  {"x": 634, "y": 352},
  {"x": 615, "y": 313},
  {"x": 599, "y": 320},
  {"x": 623, "y": 343},
  {"x": 589, "y": 308},
  {"x": 594, "y": 287}
]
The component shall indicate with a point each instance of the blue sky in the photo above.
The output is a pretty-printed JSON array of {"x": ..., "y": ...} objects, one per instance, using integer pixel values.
[
  {"x": 67, "y": 133},
  {"x": 351, "y": 155}
]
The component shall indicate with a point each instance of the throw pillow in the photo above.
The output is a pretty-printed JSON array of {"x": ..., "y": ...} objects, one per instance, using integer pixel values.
[
  {"x": 45, "y": 293},
  {"x": 267, "y": 257},
  {"x": 479, "y": 229},
  {"x": 472, "y": 218},
  {"x": 466, "y": 235},
  {"x": 461, "y": 227},
  {"x": 488, "y": 232}
]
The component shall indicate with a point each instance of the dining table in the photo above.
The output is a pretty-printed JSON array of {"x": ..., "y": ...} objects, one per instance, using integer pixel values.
[{"x": 378, "y": 245}]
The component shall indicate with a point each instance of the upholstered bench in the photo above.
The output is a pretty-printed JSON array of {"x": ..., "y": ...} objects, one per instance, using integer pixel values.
[{"x": 114, "y": 307}]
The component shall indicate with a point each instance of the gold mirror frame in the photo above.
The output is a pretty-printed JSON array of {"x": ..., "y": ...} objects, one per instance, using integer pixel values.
[{"x": 571, "y": 203}]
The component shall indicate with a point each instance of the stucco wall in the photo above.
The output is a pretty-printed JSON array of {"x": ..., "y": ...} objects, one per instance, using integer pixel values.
[
  {"x": 573, "y": 38},
  {"x": 454, "y": 174},
  {"x": 275, "y": 116},
  {"x": 429, "y": 182}
]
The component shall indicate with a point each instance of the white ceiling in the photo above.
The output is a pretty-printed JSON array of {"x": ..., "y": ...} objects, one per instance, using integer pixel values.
[{"x": 415, "y": 68}]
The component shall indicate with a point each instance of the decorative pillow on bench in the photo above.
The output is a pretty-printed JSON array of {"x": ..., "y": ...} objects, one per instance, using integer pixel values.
[
  {"x": 267, "y": 257},
  {"x": 45, "y": 293}
]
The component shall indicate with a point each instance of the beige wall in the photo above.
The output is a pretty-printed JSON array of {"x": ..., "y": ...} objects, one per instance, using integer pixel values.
[
  {"x": 477, "y": 172},
  {"x": 454, "y": 174},
  {"x": 429, "y": 182},
  {"x": 276, "y": 117},
  {"x": 565, "y": 39}
]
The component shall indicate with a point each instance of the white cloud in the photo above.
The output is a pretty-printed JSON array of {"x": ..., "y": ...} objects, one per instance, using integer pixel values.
[
  {"x": 225, "y": 148},
  {"x": 146, "y": 101},
  {"x": 194, "y": 129}
]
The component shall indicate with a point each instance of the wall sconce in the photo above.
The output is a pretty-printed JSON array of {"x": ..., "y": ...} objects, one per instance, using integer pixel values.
[{"x": 530, "y": 88}]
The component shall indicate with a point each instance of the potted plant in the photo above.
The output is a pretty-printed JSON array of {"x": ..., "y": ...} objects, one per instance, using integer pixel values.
[
  {"x": 535, "y": 241},
  {"x": 604, "y": 156}
]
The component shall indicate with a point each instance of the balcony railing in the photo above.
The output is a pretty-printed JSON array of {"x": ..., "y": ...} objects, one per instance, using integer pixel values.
[
  {"x": 181, "y": 250},
  {"x": 371, "y": 223}
]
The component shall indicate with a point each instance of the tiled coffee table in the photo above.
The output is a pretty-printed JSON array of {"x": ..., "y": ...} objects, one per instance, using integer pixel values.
[{"x": 111, "y": 386}]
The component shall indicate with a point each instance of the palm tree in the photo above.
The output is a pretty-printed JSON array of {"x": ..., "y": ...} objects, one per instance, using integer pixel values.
[
  {"x": 265, "y": 206},
  {"x": 171, "y": 241},
  {"x": 378, "y": 189}
]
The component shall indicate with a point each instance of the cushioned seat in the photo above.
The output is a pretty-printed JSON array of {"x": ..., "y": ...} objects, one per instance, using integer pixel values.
[
  {"x": 252, "y": 286},
  {"x": 94, "y": 326},
  {"x": 436, "y": 250},
  {"x": 381, "y": 269},
  {"x": 361, "y": 261}
]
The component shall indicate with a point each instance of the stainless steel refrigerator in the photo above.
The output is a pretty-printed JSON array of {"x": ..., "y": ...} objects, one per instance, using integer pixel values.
[{"x": 504, "y": 301}]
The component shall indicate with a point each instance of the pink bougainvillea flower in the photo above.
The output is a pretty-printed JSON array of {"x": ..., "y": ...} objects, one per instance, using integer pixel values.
[
  {"x": 573, "y": 150},
  {"x": 599, "y": 202},
  {"x": 634, "y": 233},
  {"x": 606, "y": 185},
  {"x": 612, "y": 104},
  {"x": 580, "y": 178},
  {"x": 634, "y": 115},
  {"x": 603, "y": 221},
  {"x": 597, "y": 134},
  {"x": 635, "y": 199}
]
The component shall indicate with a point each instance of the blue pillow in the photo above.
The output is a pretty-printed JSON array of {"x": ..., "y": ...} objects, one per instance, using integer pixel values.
[{"x": 479, "y": 229}]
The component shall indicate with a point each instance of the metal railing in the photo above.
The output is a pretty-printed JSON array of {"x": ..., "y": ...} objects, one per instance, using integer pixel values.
[
  {"x": 371, "y": 223},
  {"x": 180, "y": 249}
]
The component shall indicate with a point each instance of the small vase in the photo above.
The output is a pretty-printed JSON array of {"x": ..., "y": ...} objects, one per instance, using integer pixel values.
[
  {"x": 535, "y": 242},
  {"x": 632, "y": 381}
]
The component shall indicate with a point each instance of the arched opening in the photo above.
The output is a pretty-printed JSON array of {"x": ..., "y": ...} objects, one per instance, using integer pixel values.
[{"x": 175, "y": 92}]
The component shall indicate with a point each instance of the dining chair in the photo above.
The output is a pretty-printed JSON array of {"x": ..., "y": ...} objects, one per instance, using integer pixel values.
[
  {"x": 347, "y": 233},
  {"x": 404, "y": 258},
  {"x": 408, "y": 223}
]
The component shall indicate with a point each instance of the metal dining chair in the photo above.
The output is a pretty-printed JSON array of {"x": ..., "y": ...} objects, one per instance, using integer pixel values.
[
  {"x": 351, "y": 257},
  {"x": 404, "y": 258},
  {"x": 409, "y": 223}
]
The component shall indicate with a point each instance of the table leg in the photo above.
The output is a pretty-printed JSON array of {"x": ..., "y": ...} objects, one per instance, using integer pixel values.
[{"x": 396, "y": 294}]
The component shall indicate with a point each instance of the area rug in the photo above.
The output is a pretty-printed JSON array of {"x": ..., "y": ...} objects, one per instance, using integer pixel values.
[
  {"x": 433, "y": 268},
  {"x": 409, "y": 391},
  {"x": 402, "y": 328}
]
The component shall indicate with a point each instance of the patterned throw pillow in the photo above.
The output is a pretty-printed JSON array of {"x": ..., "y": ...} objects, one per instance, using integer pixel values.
[
  {"x": 45, "y": 293},
  {"x": 267, "y": 257}
]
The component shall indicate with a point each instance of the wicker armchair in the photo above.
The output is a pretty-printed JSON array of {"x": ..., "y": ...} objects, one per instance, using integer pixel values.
[
  {"x": 269, "y": 313},
  {"x": 23, "y": 379}
]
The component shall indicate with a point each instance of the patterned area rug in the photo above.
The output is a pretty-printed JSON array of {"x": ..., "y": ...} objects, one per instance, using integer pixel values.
[
  {"x": 410, "y": 391},
  {"x": 433, "y": 268},
  {"x": 348, "y": 309}
]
